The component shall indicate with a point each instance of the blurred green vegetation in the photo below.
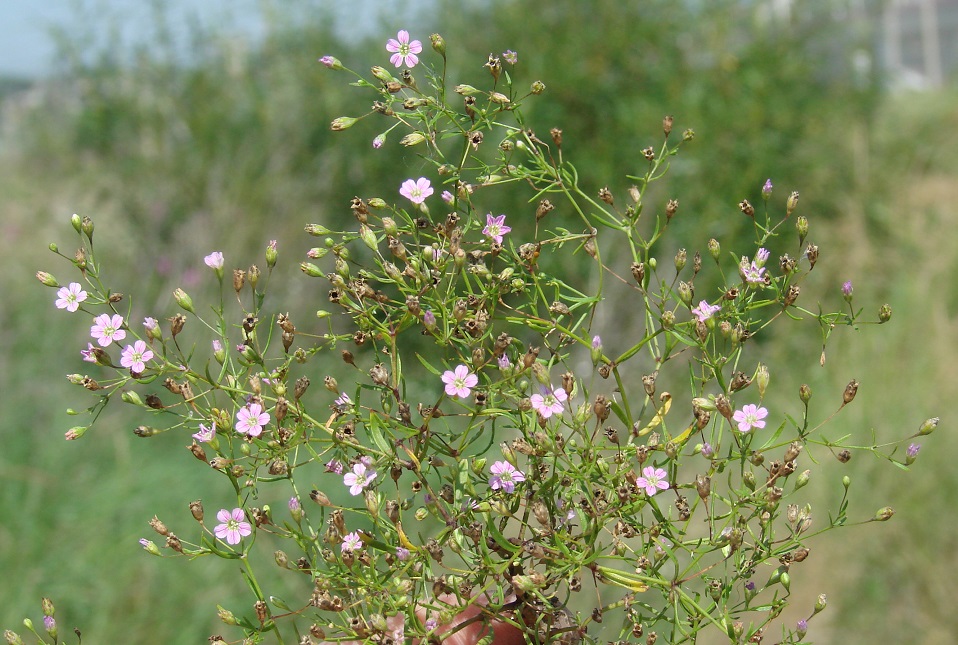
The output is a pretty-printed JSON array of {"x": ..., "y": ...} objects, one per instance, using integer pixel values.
[{"x": 233, "y": 149}]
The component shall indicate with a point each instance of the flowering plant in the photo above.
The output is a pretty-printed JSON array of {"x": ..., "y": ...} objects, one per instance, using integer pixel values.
[{"x": 455, "y": 328}]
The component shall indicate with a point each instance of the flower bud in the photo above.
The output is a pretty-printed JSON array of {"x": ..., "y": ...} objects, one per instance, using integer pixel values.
[
  {"x": 668, "y": 319},
  {"x": 791, "y": 203},
  {"x": 412, "y": 139},
  {"x": 183, "y": 300},
  {"x": 86, "y": 225},
  {"x": 76, "y": 221},
  {"x": 884, "y": 514},
  {"x": 150, "y": 547},
  {"x": 680, "y": 259},
  {"x": 802, "y": 479},
  {"x": 342, "y": 123},
  {"x": 928, "y": 426},
  {"x": 271, "y": 254},
  {"x": 310, "y": 269},
  {"x": 47, "y": 279},
  {"x": 884, "y": 313},
  {"x": 438, "y": 44},
  {"x": 331, "y": 62},
  {"x": 226, "y": 615},
  {"x": 801, "y": 225},
  {"x": 805, "y": 393},
  {"x": 820, "y": 603},
  {"x": 715, "y": 249}
]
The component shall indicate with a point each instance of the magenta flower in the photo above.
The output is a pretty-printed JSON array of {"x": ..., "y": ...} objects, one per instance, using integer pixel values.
[
  {"x": 704, "y": 311},
  {"x": 549, "y": 402},
  {"x": 417, "y": 190},
  {"x": 707, "y": 450},
  {"x": 352, "y": 542},
  {"x": 505, "y": 476},
  {"x": 69, "y": 298},
  {"x": 334, "y": 466},
  {"x": 847, "y": 289},
  {"x": 359, "y": 478},
  {"x": 496, "y": 227},
  {"x": 378, "y": 141},
  {"x": 402, "y": 553},
  {"x": 459, "y": 382},
  {"x": 755, "y": 274},
  {"x": 107, "y": 329},
  {"x": 214, "y": 261},
  {"x": 250, "y": 420},
  {"x": 135, "y": 356},
  {"x": 233, "y": 527},
  {"x": 750, "y": 416},
  {"x": 403, "y": 51},
  {"x": 761, "y": 256},
  {"x": 653, "y": 480}
]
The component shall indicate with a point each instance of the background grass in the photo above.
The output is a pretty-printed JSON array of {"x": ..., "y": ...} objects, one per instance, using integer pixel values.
[{"x": 232, "y": 149}]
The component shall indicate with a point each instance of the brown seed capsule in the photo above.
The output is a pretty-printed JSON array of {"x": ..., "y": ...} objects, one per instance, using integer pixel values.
[
  {"x": 850, "y": 391},
  {"x": 197, "y": 451},
  {"x": 648, "y": 383},
  {"x": 670, "y": 208},
  {"x": 844, "y": 456},
  {"x": 159, "y": 526},
  {"x": 543, "y": 209},
  {"x": 667, "y": 125},
  {"x": 746, "y": 208},
  {"x": 174, "y": 543}
]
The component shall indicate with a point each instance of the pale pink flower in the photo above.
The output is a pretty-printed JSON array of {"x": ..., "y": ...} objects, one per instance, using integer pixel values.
[
  {"x": 459, "y": 382},
  {"x": 135, "y": 356},
  {"x": 704, "y": 311},
  {"x": 403, "y": 51},
  {"x": 496, "y": 227},
  {"x": 70, "y": 297},
  {"x": 334, "y": 466},
  {"x": 510, "y": 57},
  {"x": 505, "y": 476},
  {"x": 214, "y": 261},
  {"x": 755, "y": 274},
  {"x": 107, "y": 329},
  {"x": 205, "y": 434},
  {"x": 447, "y": 196},
  {"x": 233, "y": 527},
  {"x": 359, "y": 478},
  {"x": 653, "y": 480},
  {"x": 250, "y": 420},
  {"x": 549, "y": 402},
  {"x": 331, "y": 62},
  {"x": 761, "y": 256},
  {"x": 352, "y": 542},
  {"x": 750, "y": 416},
  {"x": 417, "y": 190},
  {"x": 378, "y": 141},
  {"x": 88, "y": 354}
]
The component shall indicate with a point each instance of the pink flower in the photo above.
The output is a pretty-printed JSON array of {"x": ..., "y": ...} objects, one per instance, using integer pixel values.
[
  {"x": 505, "y": 476},
  {"x": 359, "y": 478},
  {"x": 343, "y": 402},
  {"x": 214, "y": 261},
  {"x": 135, "y": 356},
  {"x": 378, "y": 141},
  {"x": 250, "y": 420},
  {"x": 404, "y": 51},
  {"x": 549, "y": 402},
  {"x": 205, "y": 434},
  {"x": 89, "y": 354},
  {"x": 416, "y": 191},
  {"x": 352, "y": 542},
  {"x": 761, "y": 256},
  {"x": 750, "y": 416},
  {"x": 510, "y": 57},
  {"x": 755, "y": 274},
  {"x": 496, "y": 227},
  {"x": 107, "y": 329},
  {"x": 69, "y": 298},
  {"x": 447, "y": 197},
  {"x": 847, "y": 289},
  {"x": 334, "y": 466},
  {"x": 704, "y": 311},
  {"x": 459, "y": 382},
  {"x": 331, "y": 62},
  {"x": 653, "y": 480},
  {"x": 233, "y": 527}
]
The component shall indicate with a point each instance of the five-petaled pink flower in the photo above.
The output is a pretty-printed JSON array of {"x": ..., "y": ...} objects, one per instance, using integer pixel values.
[
  {"x": 417, "y": 190},
  {"x": 653, "y": 480},
  {"x": 352, "y": 542},
  {"x": 250, "y": 419},
  {"x": 549, "y": 402},
  {"x": 750, "y": 416},
  {"x": 234, "y": 526},
  {"x": 505, "y": 476},
  {"x": 704, "y": 311},
  {"x": 496, "y": 227},
  {"x": 403, "y": 51},
  {"x": 70, "y": 297},
  {"x": 359, "y": 478},
  {"x": 135, "y": 356},
  {"x": 107, "y": 329},
  {"x": 459, "y": 382}
]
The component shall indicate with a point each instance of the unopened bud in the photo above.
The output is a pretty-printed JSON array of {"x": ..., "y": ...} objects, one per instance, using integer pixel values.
[
  {"x": 801, "y": 225},
  {"x": 928, "y": 426},
  {"x": 884, "y": 313},
  {"x": 47, "y": 279},
  {"x": 438, "y": 44},
  {"x": 791, "y": 203},
  {"x": 183, "y": 300},
  {"x": 805, "y": 393},
  {"x": 884, "y": 514}
]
